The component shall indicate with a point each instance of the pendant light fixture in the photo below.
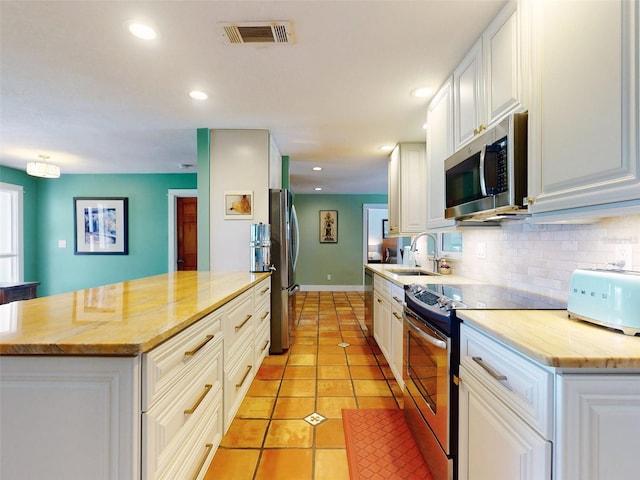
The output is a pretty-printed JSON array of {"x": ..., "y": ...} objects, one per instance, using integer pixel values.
[{"x": 43, "y": 169}]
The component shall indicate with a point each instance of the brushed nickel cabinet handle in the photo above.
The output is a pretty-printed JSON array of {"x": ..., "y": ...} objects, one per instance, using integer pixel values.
[
  {"x": 489, "y": 370},
  {"x": 198, "y": 347},
  {"x": 208, "y": 447},
  {"x": 238, "y": 327},
  {"x": 206, "y": 390},
  {"x": 244, "y": 377}
]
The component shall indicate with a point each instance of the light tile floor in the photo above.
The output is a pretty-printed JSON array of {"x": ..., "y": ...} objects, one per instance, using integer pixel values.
[{"x": 269, "y": 438}]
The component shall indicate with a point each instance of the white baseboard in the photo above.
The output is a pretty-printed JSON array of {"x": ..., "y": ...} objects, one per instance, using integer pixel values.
[{"x": 332, "y": 288}]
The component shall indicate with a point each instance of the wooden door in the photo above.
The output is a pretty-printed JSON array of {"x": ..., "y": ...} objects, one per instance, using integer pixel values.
[{"x": 187, "y": 232}]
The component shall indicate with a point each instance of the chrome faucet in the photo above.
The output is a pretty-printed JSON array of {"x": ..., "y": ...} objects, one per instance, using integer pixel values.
[{"x": 436, "y": 258}]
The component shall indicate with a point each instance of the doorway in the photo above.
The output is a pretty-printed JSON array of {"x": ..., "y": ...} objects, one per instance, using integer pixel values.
[
  {"x": 183, "y": 236},
  {"x": 187, "y": 233}
]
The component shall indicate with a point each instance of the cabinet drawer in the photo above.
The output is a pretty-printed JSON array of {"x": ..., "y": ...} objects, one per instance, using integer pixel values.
[
  {"x": 238, "y": 323},
  {"x": 263, "y": 315},
  {"x": 262, "y": 292},
  {"x": 181, "y": 412},
  {"x": 194, "y": 455},
  {"x": 165, "y": 364},
  {"x": 397, "y": 297},
  {"x": 382, "y": 285},
  {"x": 262, "y": 343},
  {"x": 238, "y": 377},
  {"x": 526, "y": 387}
]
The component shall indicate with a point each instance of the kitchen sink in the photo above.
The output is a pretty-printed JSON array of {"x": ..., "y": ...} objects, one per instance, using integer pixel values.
[{"x": 412, "y": 273}]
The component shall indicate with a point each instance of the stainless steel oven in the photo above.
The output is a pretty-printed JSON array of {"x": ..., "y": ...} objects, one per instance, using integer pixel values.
[
  {"x": 428, "y": 393},
  {"x": 432, "y": 360}
]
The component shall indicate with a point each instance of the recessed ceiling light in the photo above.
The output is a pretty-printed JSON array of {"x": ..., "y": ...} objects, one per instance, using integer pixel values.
[
  {"x": 317, "y": 169},
  {"x": 197, "y": 95},
  {"x": 386, "y": 148},
  {"x": 142, "y": 31},
  {"x": 317, "y": 189},
  {"x": 422, "y": 92}
]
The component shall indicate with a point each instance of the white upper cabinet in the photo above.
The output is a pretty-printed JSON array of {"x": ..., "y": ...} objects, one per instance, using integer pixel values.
[
  {"x": 469, "y": 97},
  {"x": 503, "y": 65},
  {"x": 393, "y": 192},
  {"x": 490, "y": 83},
  {"x": 439, "y": 147},
  {"x": 583, "y": 121},
  {"x": 407, "y": 189}
]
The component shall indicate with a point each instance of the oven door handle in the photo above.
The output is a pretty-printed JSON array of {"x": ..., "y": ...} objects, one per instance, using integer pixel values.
[{"x": 425, "y": 336}]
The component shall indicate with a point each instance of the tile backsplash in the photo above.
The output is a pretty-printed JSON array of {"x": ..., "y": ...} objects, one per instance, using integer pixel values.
[{"x": 539, "y": 258}]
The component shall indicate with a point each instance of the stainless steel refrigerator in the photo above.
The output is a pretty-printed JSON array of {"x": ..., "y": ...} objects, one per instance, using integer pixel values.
[{"x": 284, "y": 255}]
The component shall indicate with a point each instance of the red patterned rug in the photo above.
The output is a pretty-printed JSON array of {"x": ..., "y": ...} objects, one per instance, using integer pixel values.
[{"x": 380, "y": 446}]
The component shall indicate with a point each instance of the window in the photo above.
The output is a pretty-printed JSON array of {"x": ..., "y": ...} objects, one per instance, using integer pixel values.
[
  {"x": 11, "y": 248},
  {"x": 451, "y": 245}
]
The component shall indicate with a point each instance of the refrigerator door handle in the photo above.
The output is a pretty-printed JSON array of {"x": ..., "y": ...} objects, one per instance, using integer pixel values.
[{"x": 296, "y": 242}]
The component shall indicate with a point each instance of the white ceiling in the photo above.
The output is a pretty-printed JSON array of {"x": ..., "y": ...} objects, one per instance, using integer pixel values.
[{"x": 75, "y": 85}]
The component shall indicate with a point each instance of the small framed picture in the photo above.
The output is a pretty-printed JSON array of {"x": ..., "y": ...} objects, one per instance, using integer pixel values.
[
  {"x": 101, "y": 225},
  {"x": 328, "y": 226},
  {"x": 238, "y": 205}
]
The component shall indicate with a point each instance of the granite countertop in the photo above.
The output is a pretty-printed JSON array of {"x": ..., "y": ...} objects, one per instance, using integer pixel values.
[
  {"x": 386, "y": 270},
  {"x": 125, "y": 318},
  {"x": 553, "y": 339}
]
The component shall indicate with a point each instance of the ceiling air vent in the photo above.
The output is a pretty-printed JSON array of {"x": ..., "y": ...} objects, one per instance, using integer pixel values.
[{"x": 258, "y": 32}]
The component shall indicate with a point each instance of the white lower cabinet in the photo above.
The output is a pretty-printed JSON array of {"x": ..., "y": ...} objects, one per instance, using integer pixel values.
[
  {"x": 522, "y": 420},
  {"x": 381, "y": 322},
  {"x": 174, "y": 423},
  {"x": 388, "y": 300},
  {"x": 505, "y": 412},
  {"x": 238, "y": 373},
  {"x": 598, "y": 427},
  {"x": 78, "y": 416},
  {"x": 495, "y": 443},
  {"x": 395, "y": 360},
  {"x": 262, "y": 326}
]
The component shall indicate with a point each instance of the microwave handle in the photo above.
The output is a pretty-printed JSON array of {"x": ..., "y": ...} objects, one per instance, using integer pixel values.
[{"x": 483, "y": 182}]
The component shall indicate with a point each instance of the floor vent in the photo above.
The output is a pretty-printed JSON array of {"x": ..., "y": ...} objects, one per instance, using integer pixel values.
[{"x": 258, "y": 32}]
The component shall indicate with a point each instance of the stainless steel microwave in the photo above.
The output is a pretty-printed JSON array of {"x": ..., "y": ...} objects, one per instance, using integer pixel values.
[{"x": 487, "y": 179}]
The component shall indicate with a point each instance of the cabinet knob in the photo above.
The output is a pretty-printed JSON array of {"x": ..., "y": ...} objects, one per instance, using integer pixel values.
[{"x": 478, "y": 130}]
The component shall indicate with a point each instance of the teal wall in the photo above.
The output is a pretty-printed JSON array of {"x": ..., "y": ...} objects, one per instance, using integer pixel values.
[
  {"x": 58, "y": 269},
  {"x": 30, "y": 208},
  {"x": 204, "y": 197},
  {"x": 342, "y": 260}
]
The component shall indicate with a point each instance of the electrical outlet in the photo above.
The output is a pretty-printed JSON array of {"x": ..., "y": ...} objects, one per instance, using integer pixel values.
[
  {"x": 481, "y": 250},
  {"x": 328, "y": 276},
  {"x": 62, "y": 244},
  {"x": 624, "y": 256}
]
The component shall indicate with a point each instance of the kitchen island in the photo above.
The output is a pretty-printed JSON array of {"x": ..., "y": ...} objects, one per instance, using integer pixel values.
[{"x": 127, "y": 381}]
